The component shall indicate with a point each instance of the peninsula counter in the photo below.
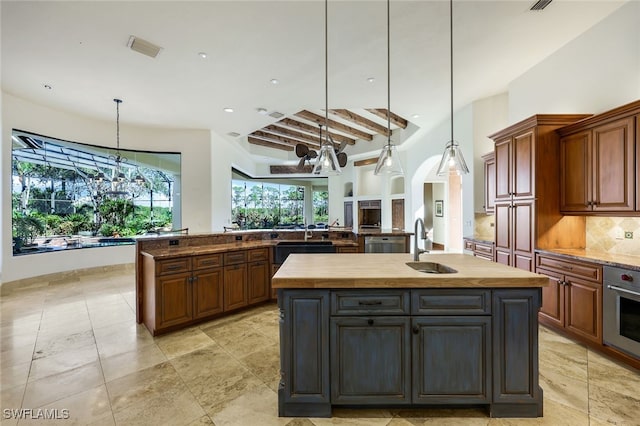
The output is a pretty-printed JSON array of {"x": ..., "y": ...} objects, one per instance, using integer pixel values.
[{"x": 367, "y": 330}]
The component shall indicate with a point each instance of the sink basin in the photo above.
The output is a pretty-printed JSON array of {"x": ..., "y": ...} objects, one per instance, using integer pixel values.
[{"x": 431, "y": 268}]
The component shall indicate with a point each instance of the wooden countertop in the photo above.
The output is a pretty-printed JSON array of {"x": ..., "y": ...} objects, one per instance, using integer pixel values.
[
  {"x": 172, "y": 252},
  {"x": 382, "y": 270}
]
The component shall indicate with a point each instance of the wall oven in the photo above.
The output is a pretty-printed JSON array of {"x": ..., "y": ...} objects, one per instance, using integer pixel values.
[{"x": 621, "y": 309}]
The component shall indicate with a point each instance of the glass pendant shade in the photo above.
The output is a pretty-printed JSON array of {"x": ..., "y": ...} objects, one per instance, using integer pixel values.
[
  {"x": 99, "y": 177},
  {"x": 389, "y": 161},
  {"x": 327, "y": 162},
  {"x": 452, "y": 160}
]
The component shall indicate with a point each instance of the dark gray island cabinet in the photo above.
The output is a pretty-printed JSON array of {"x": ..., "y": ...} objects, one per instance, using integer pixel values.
[{"x": 409, "y": 347}]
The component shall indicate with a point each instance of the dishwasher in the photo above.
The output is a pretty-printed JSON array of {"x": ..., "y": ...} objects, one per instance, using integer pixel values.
[{"x": 382, "y": 244}]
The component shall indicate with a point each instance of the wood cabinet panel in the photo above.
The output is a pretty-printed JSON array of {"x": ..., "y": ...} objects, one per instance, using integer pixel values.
[
  {"x": 489, "y": 182},
  {"x": 208, "y": 292},
  {"x": 575, "y": 184},
  {"x": 348, "y": 214},
  {"x": 206, "y": 261},
  {"x": 553, "y": 297},
  {"x": 584, "y": 309},
  {"x": 175, "y": 299},
  {"x": 523, "y": 185},
  {"x": 172, "y": 266},
  {"x": 258, "y": 282},
  {"x": 235, "y": 287},
  {"x": 503, "y": 168},
  {"x": 397, "y": 214}
]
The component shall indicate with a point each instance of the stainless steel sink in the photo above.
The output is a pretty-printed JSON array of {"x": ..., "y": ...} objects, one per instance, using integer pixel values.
[{"x": 431, "y": 268}]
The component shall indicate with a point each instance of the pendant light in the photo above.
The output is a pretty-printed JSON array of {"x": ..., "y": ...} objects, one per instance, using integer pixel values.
[
  {"x": 327, "y": 162},
  {"x": 389, "y": 160},
  {"x": 452, "y": 158}
]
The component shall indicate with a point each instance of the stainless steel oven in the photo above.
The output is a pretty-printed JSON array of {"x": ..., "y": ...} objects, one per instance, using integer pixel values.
[{"x": 621, "y": 309}]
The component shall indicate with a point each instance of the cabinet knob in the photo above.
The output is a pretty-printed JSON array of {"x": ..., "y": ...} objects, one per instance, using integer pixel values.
[
  {"x": 370, "y": 321},
  {"x": 416, "y": 329}
]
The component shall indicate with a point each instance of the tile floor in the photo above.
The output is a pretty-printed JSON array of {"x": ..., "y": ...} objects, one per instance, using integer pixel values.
[{"x": 73, "y": 346}]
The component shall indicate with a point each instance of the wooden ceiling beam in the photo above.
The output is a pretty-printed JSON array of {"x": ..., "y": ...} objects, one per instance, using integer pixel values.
[
  {"x": 308, "y": 115},
  {"x": 281, "y": 170},
  {"x": 360, "y": 120},
  {"x": 295, "y": 124},
  {"x": 365, "y": 162},
  {"x": 261, "y": 142},
  {"x": 395, "y": 119}
]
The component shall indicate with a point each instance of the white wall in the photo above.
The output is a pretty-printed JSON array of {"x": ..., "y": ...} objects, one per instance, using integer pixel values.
[
  {"x": 597, "y": 71},
  {"x": 196, "y": 179}
]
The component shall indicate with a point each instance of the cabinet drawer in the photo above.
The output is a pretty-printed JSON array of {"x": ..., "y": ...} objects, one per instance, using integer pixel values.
[
  {"x": 207, "y": 261},
  {"x": 587, "y": 271},
  {"x": 172, "y": 266},
  {"x": 347, "y": 249},
  {"x": 259, "y": 254},
  {"x": 374, "y": 302},
  {"x": 469, "y": 245},
  {"x": 451, "y": 302},
  {"x": 484, "y": 250},
  {"x": 235, "y": 257}
]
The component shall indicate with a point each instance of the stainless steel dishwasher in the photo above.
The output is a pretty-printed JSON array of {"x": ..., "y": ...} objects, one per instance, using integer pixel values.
[{"x": 388, "y": 244}]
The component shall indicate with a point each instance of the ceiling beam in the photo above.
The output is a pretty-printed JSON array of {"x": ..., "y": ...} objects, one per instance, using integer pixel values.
[
  {"x": 308, "y": 115},
  {"x": 295, "y": 124},
  {"x": 395, "y": 119},
  {"x": 279, "y": 139},
  {"x": 281, "y": 170},
  {"x": 307, "y": 139},
  {"x": 365, "y": 162},
  {"x": 261, "y": 142},
  {"x": 360, "y": 120}
]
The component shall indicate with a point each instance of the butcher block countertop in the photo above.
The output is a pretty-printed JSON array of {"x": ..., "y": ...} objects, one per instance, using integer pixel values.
[{"x": 385, "y": 270}]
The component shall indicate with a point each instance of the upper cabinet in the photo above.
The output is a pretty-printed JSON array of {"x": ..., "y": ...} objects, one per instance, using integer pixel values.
[
  {"x": 598, "y": 164},
  {"x": 489, "y": 182}
]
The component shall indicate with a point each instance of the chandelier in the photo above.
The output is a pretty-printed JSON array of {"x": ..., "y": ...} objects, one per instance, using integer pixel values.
[{"x": 119, "y": 186}]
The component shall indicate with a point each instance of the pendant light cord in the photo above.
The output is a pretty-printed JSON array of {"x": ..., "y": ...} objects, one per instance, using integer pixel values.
[
  {"x": 388, "y": 73},
  {"x": 118, "y": 102},
  {"x": 326, "y": 69},
  {"x": 451, "y": 59}
]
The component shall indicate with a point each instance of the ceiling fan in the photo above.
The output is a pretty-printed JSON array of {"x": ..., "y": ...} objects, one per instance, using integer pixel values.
[{"x": 305, "y": 154}]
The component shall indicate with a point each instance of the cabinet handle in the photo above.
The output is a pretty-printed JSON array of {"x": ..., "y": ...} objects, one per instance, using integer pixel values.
[
  {"x": 173, "y": 267},
  {"x": 560, "y": 282},
  {"x": 416, "y": 329},
  {"x": 370, "y": 302},
  {"x": 194, "y": 279},
  {"x": 370, "y": 321}
]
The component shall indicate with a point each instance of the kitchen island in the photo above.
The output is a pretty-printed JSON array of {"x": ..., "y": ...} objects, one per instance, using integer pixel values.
[{"x": 379, "y": 330}]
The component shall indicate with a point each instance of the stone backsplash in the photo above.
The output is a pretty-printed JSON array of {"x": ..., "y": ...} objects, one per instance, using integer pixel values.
[
  {"x": 608, "y": 234},
  {"x": 484, "y": 229}
]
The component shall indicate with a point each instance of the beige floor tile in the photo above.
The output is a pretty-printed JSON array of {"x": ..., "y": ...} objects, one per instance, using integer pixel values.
[
  {"x": 121, "y": 337},
  {"x": 202, "y": 421},
  {"x": 16, "y": 355},
  {"x": 610, "y": 406},
  {"x": 53, "y": 388},
  {"x": 63, "y": 361},
  {"x": 125, "y": 363},
  {"x": 264, "y": 363},
  {"x": 182, "y": 342},
  {"x": 10, "y": 399},
  {"x": 51, "y": 344},
  {"x": 256, "y": 406},
  {"x": 18, "y": 341},
  {"x": 15, "y": 374},
  {"x": 555, "y": 414},
  {"x": 155, "y": 395},
  {"x": 611, "y": 375},
  {"x": 564, "y": 390}
]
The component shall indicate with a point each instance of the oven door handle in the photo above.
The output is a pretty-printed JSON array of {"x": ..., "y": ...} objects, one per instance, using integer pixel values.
[{"x": 623, "y": 290}]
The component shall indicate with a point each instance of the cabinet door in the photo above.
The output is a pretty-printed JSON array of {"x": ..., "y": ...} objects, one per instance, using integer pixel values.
[
  {"x": 583, "y": 306},
  {"x": 274, "y": 292},
  {"x": 235, "y": 286},
  {"x": 552, "y": 309},
  {"x": 503, "y": 169},
  {"x": 613, "y": 166},
  {"x": 348, "y": 214},
  {"x": 370, "y": 360},
  {"x": 208, "y": 292},
  {"x": 397, "y": 214},
  {"x": 575, "y": 182},
  {"x": 175, "y": 300},
  {"x": 258, "y": 282},
  {"x": 523, "y": 185},
  {"x": 523, "y": 234},
  {"x": 489, "y": 184},
  {"x": 304, "y": 353},
  {"x": 503, "y": 231},
  {"x": 451, "y": 359}
]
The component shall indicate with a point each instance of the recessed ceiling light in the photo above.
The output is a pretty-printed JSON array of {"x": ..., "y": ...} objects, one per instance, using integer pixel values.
[
  {"x": 415, "y": 116},
  {"x": 46, "y": 86},
  {"x": 274, "y": 81},
  {"x": 203, "y": 55},
  {"x": 227, "y": 109},
  {"x": 370, "y": 80},
  {"x": 262, "y": 111}
]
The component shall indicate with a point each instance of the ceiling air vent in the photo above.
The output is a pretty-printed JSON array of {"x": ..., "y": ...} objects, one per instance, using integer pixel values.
[
  {"x": 234, "y": 134},
  {"x": 143, "y": 46},
  {"x": 540, "y": 4},
  {"x": 276, "y": 114}
]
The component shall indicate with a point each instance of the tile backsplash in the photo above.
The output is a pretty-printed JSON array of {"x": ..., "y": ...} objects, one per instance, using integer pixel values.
[
  {"x": 608, "y": 234},
  {"x": 483, "y": 229}
]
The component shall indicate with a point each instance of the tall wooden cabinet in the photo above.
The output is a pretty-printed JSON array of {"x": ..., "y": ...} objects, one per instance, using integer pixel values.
[
  {"x": 489, "y": 182},
  {"x": 598, "y": 164},
  {"x": 527, "y": 214}
]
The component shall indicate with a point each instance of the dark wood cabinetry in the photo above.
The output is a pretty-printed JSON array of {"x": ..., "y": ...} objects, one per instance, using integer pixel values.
[
  {"x": 527, "y": 214},
  {"x": 573, "y": 299},
  {"x": 598, "y": 163},
  {"x": 397, "y": 214},
  {"x": 258, "y": 289},
  {"x": 483, "y": 250},
  {"x": 489, "y": 182},
  {"x": 348, "y": 214}
]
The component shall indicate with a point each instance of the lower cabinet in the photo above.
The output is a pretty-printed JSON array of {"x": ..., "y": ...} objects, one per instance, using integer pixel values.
[
  {"x": 235, "y": 287},
  {"x": 176, "y": 299},
  {"x": 208, "y": 293},
  {"x": 573, "y": 299},
  {"x": 409, "y": 348}
]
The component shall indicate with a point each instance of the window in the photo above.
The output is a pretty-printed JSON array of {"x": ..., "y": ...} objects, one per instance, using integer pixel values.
[
  {"x": 320, "y": 206},
  {"x": 68, "y": 195},
  {"x": 260, "y": 205}
]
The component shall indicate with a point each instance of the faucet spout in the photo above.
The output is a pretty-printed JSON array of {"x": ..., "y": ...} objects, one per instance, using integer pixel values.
[{"x": 423, "y": 235}]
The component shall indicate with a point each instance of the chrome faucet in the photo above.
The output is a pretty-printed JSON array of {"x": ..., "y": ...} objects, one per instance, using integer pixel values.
[{"x": 423, "y": 235}]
